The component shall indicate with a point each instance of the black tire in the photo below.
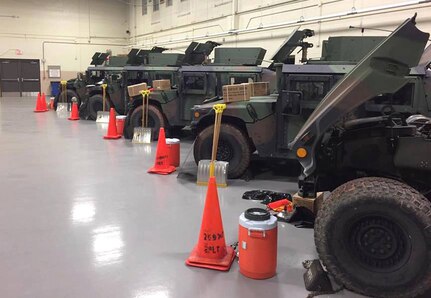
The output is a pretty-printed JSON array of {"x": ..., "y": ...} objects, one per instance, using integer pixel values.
[
  {"x": 155, "y": 121},
  {"x": 374, "y": 236},
  {"x": 95, "y": 104},
  {"x": 233, "y": 147},
  {"x": 70, "y": 95}
]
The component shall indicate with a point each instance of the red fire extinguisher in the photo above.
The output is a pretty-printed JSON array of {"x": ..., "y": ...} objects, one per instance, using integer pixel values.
[{"x": 257, "y": 244}]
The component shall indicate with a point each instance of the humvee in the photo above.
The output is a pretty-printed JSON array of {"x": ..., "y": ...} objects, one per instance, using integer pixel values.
[
  {"x": 373, "y": 232},
  {"x": 193, "y": 84},
  {"x": 78, "y": 86},
  {"x": 266, "y": 125},
  {"x": 87, "y": 88},
  {"x": 114, "y": 78}
]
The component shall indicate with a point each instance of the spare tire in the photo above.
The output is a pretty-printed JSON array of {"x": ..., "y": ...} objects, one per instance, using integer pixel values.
[
  {"x": 234, "y": 147},
  {"x": 374, "y": 237}
]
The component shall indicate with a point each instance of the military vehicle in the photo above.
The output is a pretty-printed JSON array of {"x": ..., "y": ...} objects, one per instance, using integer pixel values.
[
  {"x": 373, "y": 232},
  {"x": 113, "y": 76},
  {"x": 266, "y": 125},
  {"x": 87, "y": 89},
  {"x": 195, "y": 83},
  {"x": 77, "y": 87}
]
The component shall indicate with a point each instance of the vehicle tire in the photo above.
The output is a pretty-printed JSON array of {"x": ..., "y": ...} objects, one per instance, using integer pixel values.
[
  {"x": 95, "y": 104},
  {"x": 70, "y": 95},
  {"x": 155, "y": 121},
  {"x": 374, "y": 237},
  {"x": 233, "y": 147}
]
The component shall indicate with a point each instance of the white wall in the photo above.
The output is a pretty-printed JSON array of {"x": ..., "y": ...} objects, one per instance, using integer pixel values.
[
  {"x": 192, "y": 18},
  {"x": 79, "y": 28},
  {"x": 98, "y": 25}
]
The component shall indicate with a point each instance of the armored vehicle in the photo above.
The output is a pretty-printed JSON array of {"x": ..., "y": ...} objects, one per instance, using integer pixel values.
[
  {"x": 193, "y": 84},
  {"x": 373, "y": 233},
  {"x": 77, "y": 87},
  {"x": 266, "y": 125},
  {"x": 114, "y": 77}
]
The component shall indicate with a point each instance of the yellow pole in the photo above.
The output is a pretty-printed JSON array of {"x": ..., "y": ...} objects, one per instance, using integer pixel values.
[{"x": 218, "y": 108}]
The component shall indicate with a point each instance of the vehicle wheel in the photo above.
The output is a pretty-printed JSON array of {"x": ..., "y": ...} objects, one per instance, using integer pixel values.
[
  {"x": 374, "y": 236},
  {"x": 233, "y": 147},
  {"x": 95, "y": 104},
  {"x": 155, "y": 121},
  {"x": 70, "y": 95}
]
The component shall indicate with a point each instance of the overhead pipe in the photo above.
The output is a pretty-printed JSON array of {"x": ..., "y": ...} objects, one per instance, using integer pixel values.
[{"x": 295, "y": 22}]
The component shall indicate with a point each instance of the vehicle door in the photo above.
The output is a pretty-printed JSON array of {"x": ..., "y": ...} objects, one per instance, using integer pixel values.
[
  {"x": 295, "y": 104},
  {"x": 195, "y": 88}
]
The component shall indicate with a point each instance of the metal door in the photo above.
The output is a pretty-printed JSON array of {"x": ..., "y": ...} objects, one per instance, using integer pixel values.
[
  {"x": 19, "y": 76},
  {"x": 30, "y": 76},
  {"x": 10, "y": 76}
]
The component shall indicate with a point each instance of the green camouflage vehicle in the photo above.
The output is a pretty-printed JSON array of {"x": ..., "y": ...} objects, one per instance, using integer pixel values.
[
  {"x": 87, "y": 89},
  {"x": 77, "y": 87},
  {"x": 265, "y": 125},
  {"x": 194, "y": 84},
  {"x": 114, "y": 76},
  {"x": 373, "y": 232}
]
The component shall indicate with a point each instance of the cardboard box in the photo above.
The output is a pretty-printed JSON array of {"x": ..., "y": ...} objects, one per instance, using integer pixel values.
[
  {"x": 162, "y": 84},
  {"x": 134, "y": 90},
  {"x": 259, "y": 88},
  {"x": 238, "y": 92},
  {"x": 312, "y": 204}
]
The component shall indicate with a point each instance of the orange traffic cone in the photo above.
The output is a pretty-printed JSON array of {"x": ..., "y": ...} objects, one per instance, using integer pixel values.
[
  {"x": 74, "y": 114},
  {"x": 43, "y": 101},
  {"x": 161, "y": 165},
  {"x": 39, "y": 105},
  {"x": 112, "y": 126},
  {"x": 51, "y": 104},
  {"x": 211, "y": 251}
]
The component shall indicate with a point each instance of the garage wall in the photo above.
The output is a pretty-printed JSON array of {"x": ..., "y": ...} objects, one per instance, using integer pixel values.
[
  {"x": 195, "y": 19},
  {"x": 81, "y": 27}
]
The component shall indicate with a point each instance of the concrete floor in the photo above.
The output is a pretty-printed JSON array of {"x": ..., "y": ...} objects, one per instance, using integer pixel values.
[{"x": 80, "y": 217}]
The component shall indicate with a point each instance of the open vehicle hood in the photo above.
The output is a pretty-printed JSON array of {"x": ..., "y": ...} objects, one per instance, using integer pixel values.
[
  {"x": 426, "y": 57},
  {"x": 383, "y": 70}
]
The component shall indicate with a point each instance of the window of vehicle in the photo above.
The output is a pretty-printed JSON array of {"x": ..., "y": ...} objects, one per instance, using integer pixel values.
[
  {"x": 311, "y": 90},
  {"x": 403, "y": 97},
  {"x": 195, "y": 84},
  {"x": 240, "y": 79},
  {"x": 163, "y": 76}
]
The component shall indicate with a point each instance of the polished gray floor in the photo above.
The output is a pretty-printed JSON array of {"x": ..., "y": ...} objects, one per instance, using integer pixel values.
[{"x": 80, "y": 217}]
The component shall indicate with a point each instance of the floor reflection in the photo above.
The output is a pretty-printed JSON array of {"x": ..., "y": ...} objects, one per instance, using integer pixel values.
[
  {"x": 107, "y": 245},
  {"x": 153, "y": 292},
  {"x": 83, "y": 212}
]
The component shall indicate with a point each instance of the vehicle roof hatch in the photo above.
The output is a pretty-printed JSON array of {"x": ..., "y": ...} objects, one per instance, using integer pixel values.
[
  {"x": 140, "y": 56},
  {"x": 294, "y": 40},
  {"x": 98, "y": 58},
  {"x": 196, "y": 53}
]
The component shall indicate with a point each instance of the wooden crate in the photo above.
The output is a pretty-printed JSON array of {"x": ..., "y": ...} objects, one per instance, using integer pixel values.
[
  {"x": 312, "y": 204},
  {"x": 162, "y": 85},
  {"x": 259, "y": 88},
  {"x": 238, "y": 92},
  {"x": 134, "y": 90}
]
